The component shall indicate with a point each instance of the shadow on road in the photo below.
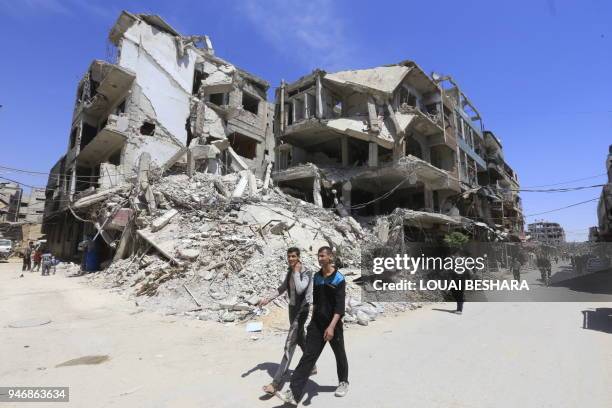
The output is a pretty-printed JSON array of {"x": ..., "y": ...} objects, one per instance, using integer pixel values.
[
  {"x": 444, "y": 310},
  {"x": 597, "y": 283},
  {"x": 311, "y": 390},
  {"x": 599, "y": 319}
]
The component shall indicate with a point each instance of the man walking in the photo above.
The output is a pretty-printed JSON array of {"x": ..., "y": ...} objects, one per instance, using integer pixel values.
[
  {"x": 329, "y": 292},
  {"x": 298, "y": 282},
  {"x": 515, "y": 265},
  {"x": 27, "y": 257}
]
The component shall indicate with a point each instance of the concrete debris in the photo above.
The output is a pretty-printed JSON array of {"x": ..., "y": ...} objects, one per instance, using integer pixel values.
[
  {"x": 161, "y": 222},
  {"x": 232, "y": 253}
]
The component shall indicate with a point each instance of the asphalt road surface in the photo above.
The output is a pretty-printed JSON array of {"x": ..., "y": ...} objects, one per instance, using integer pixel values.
[{"x": 520, "y": 354}]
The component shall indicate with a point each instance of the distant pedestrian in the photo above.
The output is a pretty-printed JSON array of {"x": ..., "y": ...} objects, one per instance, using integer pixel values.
[
  {"x": 27, "y": 257},
  {"x": 516, "y": 269},
  {"x": 36, "y": 258},
  {"x": 47, "y": 263}
]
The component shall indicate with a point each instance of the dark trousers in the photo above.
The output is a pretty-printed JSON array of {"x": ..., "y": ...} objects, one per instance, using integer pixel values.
[
  {"x": 314, "y": 347},
  {"x": 27, "y": 263},
  {"x": 295, "y": 336},
  {"x": 459, "y": 294},
  {"x": 459, "y": 297}
]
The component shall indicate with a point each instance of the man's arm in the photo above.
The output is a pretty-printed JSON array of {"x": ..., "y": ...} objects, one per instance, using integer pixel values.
[
  {"x": 301, "y": 280},
  {"x": 338, "y": 311},
  {"x": 329, "y": 332},
  {"x": 279, "y": 291}
]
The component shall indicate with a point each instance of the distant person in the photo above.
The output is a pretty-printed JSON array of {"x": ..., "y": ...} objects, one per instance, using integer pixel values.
[
  {"x": 516, "y": 269},
  {"x": 36, "y": 258},
  {"x": 47, "y": 263},
  {"x": 329, "y": 294},
  {"x": 27, "y": 257},
  {"x": 298, "y": 284}
]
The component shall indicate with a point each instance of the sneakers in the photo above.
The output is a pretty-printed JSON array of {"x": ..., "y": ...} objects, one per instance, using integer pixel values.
[
  {"x": 342, "y": 389},
  {"x": 286, "y": 397},
  {"x": 458, "y": 312}
]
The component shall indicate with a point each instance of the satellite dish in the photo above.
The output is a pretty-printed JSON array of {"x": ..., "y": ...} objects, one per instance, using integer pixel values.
[{"x": 435, "y": 76}]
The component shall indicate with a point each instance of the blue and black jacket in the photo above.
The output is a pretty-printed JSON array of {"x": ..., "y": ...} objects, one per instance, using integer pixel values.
[{"x": 328, "y": 296}]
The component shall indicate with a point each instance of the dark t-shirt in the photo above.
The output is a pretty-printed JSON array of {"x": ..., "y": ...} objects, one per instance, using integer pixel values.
[{"x": 328, "y": 296}]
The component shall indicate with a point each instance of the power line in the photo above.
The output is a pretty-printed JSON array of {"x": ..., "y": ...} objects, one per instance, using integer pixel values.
[
  {"x": 563, "y": 208},
  {"x": 557, "y": 190},
  {"x": 568, "y": 182}
]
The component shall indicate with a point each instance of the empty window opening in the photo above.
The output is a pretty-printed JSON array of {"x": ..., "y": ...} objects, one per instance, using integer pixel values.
[
  {"x": 407, "y": 97},
  {"x": 73, "y": 136},
  {"x": 288, "y": 114},
  {"x": 198, "y": 77},
  {"x": 337, "y": 108},
  {"x": 219, "y": 99},
  {"x": 120, "y": 108},
  {"x": 413, "y": 147},
  {"x": 87, "y": 135},
  {"x": 243, "y": 145},
  {"x": 311, "y": 109},
  {"x": 250, "y": 103},
  {"x": 147, "y": 128},
  {"x": 115, "y": 158},
  {"x": 298, "y": 110}
]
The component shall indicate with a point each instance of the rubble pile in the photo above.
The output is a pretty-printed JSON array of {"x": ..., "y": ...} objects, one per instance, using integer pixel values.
[{"x": 202, "y": 252}]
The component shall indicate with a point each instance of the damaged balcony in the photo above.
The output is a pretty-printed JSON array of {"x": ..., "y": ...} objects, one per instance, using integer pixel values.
[
  {"x": 408, "y": 170},
  {"x": 106, "y": 143},
  {"x": 102, "y": 87}
]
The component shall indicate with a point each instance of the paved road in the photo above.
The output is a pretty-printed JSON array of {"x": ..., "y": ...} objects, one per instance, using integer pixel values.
[{"x": 494, "y": 355}]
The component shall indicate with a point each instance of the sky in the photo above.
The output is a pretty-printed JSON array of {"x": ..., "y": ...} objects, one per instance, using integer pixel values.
[{"x": 540, "y": 72}]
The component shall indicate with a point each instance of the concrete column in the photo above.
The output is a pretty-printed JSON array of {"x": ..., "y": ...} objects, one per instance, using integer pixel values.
[
  {"x": 345, "y": 150},
  {"x": 373, "y": 116},
  {"x": 316, "y": 191},
  {"x": 346, "y": 196},
  {"x": 281, "y": 121},
  {"x": 428, "y": 194},
  {"x": 319, "y": 97},
  {"x": 373, "y": 154}
]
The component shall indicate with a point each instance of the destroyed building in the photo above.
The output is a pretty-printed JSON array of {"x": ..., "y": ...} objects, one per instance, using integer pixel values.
[
  {"x": 604, "y": 207},
  {"x": 164, "y": 94},
  {"x": 546, "y": 232},
  {"x": 9, "y": 198},
  {"x": 21, "y": 213},
  {"x": 371, "y": 141},
  {"x": 16, "y": 205}
]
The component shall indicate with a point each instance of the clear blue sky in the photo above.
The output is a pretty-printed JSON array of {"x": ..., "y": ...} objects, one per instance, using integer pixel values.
[{"x": 540, "y": 72}]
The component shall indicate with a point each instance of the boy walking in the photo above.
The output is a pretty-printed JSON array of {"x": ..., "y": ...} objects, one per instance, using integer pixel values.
[
  {"x": 329, "y": 293},
  {"x": 298, "y": 283}
]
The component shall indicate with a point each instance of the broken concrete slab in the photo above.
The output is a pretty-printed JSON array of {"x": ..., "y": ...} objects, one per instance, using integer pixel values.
[{"x": 160, "y": 222}]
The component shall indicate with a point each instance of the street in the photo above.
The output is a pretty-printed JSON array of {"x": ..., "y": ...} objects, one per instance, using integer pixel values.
[{"x": 494, "y": 355}]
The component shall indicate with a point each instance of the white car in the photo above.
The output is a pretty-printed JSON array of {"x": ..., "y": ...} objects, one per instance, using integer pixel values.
[{"x": 6, "y": 248}]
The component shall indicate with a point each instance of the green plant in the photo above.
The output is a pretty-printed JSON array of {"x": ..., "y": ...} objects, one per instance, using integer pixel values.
[{"x": 455, "y": 240}]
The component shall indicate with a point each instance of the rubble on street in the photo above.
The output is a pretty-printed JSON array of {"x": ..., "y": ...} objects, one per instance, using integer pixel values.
[{"x": 214, "y": 256}]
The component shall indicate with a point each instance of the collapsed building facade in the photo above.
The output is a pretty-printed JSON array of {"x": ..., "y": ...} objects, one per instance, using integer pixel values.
[
  {"x": 166, "y": 98},
  {"x": 21, "y": 213},
  {"x": 603, "y": 232},
  {"x": 546, "y": 232},
  {"x": 392, "y": 139}
]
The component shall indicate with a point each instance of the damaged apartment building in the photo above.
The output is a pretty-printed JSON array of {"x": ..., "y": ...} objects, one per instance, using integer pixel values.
[
  {"x": 166, "y": 98},
  {"x": 392, "y": 139}
]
